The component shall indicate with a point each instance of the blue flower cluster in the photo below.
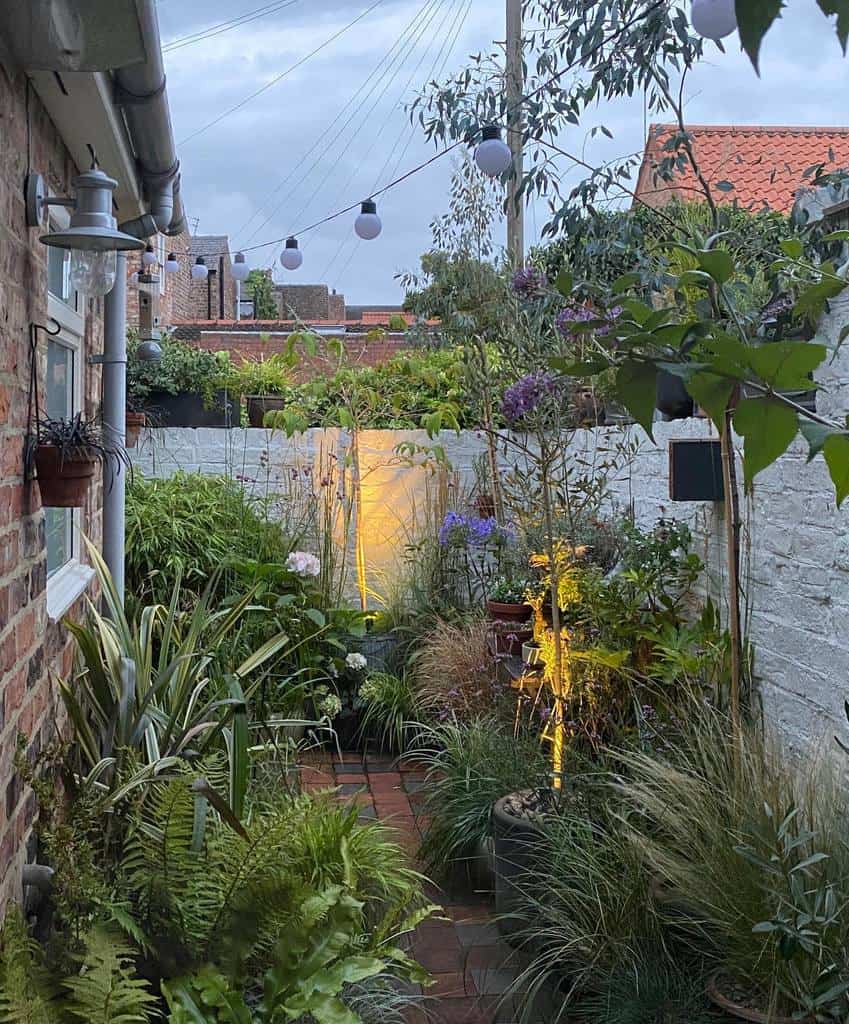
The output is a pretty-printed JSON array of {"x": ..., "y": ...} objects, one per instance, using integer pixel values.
[
  {"x": 459, "y": 531},
  {"x": 522, "y": 398},
  {"x": 529, "y": 282}
]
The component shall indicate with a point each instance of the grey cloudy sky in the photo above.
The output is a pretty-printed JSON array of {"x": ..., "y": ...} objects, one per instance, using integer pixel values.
[{"x": 277, "y": 165}]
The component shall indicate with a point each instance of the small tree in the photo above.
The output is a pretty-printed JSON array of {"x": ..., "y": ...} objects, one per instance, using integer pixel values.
[{"x": 260, "y": 287}]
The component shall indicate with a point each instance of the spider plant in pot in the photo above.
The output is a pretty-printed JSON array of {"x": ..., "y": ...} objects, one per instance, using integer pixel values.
[{"x": 67, "y": 454}]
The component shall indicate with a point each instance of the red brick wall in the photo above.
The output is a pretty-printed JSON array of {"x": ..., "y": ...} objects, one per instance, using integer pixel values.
[
  {"x": 360, "y": 349},
  {"x": 30, "y": 645},
  {"x": 183, "y": 298}
]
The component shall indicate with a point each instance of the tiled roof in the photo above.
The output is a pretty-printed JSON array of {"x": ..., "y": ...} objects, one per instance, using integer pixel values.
[
  {"x": 210, "y": 246},
  {"x": 764, "y": 163}
]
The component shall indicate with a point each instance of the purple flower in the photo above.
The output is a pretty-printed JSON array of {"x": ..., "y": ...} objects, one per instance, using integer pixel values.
[
  {"x": 522, "y": 398},
  {"x": 582, "y": 314},
  {"x": 461, "y": 531},
  {"x": 529, "y": 282}
]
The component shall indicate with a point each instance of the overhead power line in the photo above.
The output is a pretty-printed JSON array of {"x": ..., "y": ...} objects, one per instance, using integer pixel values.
[
  {"x": 282, "y": 75},
  {"x": 226, "y": 26}
]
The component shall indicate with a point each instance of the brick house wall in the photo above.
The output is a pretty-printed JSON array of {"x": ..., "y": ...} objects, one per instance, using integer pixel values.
[
  {"x": 309, "y": 302},
  {"x": 263, "y": 339},
  {"x": 31, "y": 645},
  {"x": 176, "y": 300}
]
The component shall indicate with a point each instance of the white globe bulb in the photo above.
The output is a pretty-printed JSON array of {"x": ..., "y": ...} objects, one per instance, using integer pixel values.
[
  {"x": 149, "y": 256},
  {"x": 493, "y": 155},
  {"x": 199, "y": 270},
  {"x": 291, "y": 257},
  {"x": 134, "y": 278},
  {"x": 94, "y": 273},
  {"x": 240, "y": 268},
  {"x": 368, "y": 225},
  {"x": 714, "y": 19},
  {"x": 172, "y": 264}
]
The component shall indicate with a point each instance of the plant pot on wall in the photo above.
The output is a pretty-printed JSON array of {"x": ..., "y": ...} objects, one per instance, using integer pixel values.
[
  {"x": 259, "y": 405},
  {"x": 188, "y": 410},
  {"x": 673, "y": 399},
  {"x": 135, "y": 422},
  {"x": 64, "y": 479}
]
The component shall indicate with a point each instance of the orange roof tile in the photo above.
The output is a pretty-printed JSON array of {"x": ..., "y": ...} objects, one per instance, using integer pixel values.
[{"x": 764, "y": 163}]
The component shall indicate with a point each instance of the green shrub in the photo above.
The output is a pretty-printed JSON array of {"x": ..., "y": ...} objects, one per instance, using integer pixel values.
[
  {"x": 183, "y": 369},
  {"x": 389, "y": 709},
  {"x": 191, "y": 524},
  {"x": 470, "y": 766},
  {"x": 271, "y": 376}
]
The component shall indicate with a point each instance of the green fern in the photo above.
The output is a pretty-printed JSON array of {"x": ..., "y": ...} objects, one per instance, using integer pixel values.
[
  {"x": 26, "y": 995},
  {"x": 106, "y": 990}
]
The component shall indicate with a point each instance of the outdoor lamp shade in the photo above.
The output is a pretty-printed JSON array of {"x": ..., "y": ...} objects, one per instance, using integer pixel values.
[
  {"x": 92, "y": 226},
  {"x": 149, "y": 351},
  {"x": 291, "y": 257},
  {"x": 241, "y": 269},
  {"x": 172, "y": 264},
  {"x": 492, "y": 154},
  {"x": 149, "y": 256},
  {"x": 368, "y": 225},
  {"x": 200, "y": 272},
  {"x": 714, "y": 19},
  {"x": 94, "y": 272}
]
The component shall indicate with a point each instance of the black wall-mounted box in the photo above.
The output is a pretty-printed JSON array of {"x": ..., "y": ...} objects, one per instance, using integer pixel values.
[{"x": 695, "y": 470}]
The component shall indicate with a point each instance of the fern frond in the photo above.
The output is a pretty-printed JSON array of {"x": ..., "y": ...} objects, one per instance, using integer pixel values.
[
  {"x": 25, "y": 991},
  {"x": 106, "y": 990}
]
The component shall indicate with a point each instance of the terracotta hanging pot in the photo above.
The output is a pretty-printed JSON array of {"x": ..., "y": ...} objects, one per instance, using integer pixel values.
[{"x": 64, "y": 479}]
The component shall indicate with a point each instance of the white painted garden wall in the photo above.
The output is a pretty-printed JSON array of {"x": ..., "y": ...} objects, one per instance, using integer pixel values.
[{"x": 796, "y": 559}]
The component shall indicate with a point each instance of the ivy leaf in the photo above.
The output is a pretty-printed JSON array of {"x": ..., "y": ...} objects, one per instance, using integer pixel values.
[
  {"x": 564, "y": 283},
  {"x": 836, "y": 452},
  {"x": 768, "y": 426},
  {"x": 636, "y": 389},
  {"x": 786, "y": 364},
  {"x": 754, "y": 18},
  {"x": 816, "y": 434},
  {"x": 712, "y": 393}
]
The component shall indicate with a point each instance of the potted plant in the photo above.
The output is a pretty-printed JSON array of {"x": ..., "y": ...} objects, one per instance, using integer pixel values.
[
  {"x": 67, "y": 454},
  {"x": 510, "y": 613},
  {"x": 263, "y": 383},
  {"x": 136, "y": 419}
]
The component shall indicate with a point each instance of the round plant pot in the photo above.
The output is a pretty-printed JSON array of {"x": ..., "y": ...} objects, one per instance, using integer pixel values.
[
  {"x": 259, "y": 405},
  {"x": 501, "y": 611},
  {"x": 64, "y": 482},
  {"x": 379, "y": 649},
  {"x": 532, "y": 655},
  {"x": 673, "y": 399},
  {"x": 135, "y": 422},
  {"x": 517, "y": 844},
  {"x": 736, "y": 1010},
  {"x": 511, "y": 626}
]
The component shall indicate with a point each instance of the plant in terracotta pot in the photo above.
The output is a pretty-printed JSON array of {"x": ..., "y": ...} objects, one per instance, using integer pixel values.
[
  {"x": 508, "y": 608},
  {"x": 136, "y": 419},
  {"x": 67, "y": 454},
  {"x": 264, "y": 383}
]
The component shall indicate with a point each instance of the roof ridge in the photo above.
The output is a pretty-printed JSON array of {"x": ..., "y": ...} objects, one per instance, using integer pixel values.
[{"x": 756, "y": 129}]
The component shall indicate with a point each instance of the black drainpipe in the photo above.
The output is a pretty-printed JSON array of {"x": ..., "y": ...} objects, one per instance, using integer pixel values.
[{"x": 209, "y": 281}]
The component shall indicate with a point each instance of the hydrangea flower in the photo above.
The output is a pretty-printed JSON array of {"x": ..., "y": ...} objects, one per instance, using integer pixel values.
[
  {"x": 528, "y": 282},
  {"x": 327, "y": 704},
  {"x": 302, "y": 563},
  {"x": 522, "y": 398},
  {"x": 355, "y": 661}
]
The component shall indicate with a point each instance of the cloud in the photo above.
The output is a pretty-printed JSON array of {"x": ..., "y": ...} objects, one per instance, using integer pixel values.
[{"x": 233, "y": 172}]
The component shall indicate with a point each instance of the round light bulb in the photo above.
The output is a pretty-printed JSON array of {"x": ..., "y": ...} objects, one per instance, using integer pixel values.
[
  {"x": 172, "y": 264},
  {"x": 94, "y": 273},
  {"x": 149, "y": 351},
  {"x": 368, "y": 225},
  {"x": 291, "y": 257},
  {"x": 241, "y": 268},
  {"x": 199, "y": 270},
  {"x": 149, "y": 256},
  {"x": 492, "y": 154},
  {"x": 714, "y": 19}
]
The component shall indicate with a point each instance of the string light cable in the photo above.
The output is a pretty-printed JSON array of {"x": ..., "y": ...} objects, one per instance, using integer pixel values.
[
  {"x": 227, "y": 26},
  {"x": 288, "y": 177},
  {"x": 449, "y": 148}
]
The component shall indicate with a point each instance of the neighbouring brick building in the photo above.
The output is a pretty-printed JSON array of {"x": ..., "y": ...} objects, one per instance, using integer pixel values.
[
  {"x": 214, "y": 298},
  {"x": 310, "y": 302},
  {"x": 177, "y": 292},
  {"x": 51, "y": 121}
]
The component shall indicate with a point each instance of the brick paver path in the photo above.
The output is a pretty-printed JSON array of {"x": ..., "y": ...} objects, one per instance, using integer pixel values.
[{"x": 470, "y": 964}]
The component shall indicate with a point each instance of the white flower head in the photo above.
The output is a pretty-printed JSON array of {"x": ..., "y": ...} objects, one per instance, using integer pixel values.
[
  {"x": 302, "y": 563},
  {"x": 355, "y": 661},
  {"x": 329, "y": 706}
]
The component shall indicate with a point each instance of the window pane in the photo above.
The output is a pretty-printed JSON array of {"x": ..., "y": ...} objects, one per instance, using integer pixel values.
[
  {"x": 59, "y": 389},
  {"x": 58, "y": 530},
  {"x": 59, "y": 275}
]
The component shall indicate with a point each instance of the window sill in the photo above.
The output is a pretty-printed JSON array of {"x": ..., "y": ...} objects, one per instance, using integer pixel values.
[{"x": 65, "y": 586}]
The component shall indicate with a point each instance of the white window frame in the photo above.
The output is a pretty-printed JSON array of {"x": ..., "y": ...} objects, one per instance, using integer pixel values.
[{"x": 69, "y": 581}]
